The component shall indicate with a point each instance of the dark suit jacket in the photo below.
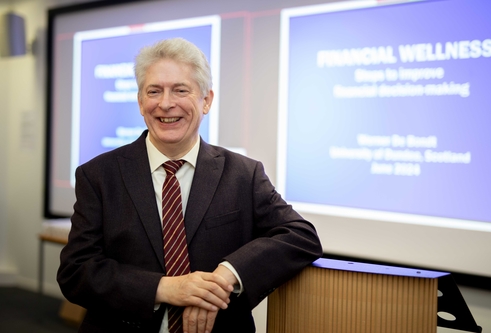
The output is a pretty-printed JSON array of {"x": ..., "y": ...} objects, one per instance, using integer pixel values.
[{"x": 113, "y": 261}]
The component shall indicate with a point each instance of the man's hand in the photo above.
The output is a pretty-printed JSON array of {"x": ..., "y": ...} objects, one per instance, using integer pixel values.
[
  {"x": 200, "y": 320},
  {"x": 208, "y": 291}
]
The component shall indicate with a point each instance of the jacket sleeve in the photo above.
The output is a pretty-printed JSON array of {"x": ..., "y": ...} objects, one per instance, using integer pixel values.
[
  {"x": 283, "y": 245},
  {"x": 97, "y": 269}
]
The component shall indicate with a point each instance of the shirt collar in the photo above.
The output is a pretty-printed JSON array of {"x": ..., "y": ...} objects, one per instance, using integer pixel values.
[{"x": 156, "y": 158}]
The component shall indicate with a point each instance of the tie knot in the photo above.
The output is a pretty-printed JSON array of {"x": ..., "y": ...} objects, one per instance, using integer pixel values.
[{"x": 171, "y": 167}]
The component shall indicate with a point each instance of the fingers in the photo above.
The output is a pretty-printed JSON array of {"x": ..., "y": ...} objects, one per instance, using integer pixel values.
[
  {"x": 218, "y": 278},
  {"x": 198, "y": 320},
  {"x": 207, "y": 300},
  {"x": 207, "y": 288},
  {"x": 209, "y": 291}
]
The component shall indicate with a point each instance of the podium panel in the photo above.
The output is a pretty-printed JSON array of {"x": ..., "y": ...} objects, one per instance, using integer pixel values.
[{"x": 343, "y": 297}]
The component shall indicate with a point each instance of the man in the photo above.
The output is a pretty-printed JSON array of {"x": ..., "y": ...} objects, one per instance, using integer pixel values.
[{"x": 242, "y": 239}]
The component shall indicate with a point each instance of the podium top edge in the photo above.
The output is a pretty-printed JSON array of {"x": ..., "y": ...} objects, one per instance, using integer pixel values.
[{"x": 352, "y": 266}]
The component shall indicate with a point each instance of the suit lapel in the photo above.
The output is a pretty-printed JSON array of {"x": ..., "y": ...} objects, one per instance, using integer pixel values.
[
  {"x": 135, "y": 170},
  {"x": 209, "y": 168}
]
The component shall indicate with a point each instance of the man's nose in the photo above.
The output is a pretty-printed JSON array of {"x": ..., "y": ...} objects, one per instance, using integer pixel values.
[{"x": 167, "y": 100}]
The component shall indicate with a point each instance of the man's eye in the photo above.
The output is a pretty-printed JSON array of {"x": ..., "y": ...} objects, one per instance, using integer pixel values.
[{"x": 181, "y": 91}]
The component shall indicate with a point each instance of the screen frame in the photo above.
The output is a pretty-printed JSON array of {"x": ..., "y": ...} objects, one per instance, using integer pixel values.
[{"x": 333, "y": 221}]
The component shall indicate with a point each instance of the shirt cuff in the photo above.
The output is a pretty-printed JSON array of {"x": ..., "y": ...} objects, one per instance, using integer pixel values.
[{"x": 238, "y": 288}]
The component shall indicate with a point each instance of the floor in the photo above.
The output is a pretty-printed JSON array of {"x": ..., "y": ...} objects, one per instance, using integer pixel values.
[{"x": 23, "y": 311}]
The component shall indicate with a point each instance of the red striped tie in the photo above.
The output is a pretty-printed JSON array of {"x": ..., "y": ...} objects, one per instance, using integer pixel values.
[{"x": 175, "y": 247}]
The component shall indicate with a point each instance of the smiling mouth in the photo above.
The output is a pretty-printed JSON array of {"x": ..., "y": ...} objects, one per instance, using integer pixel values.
[{"x": 169, "y": 120}]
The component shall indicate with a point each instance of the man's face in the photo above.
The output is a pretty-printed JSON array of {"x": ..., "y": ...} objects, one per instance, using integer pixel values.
[{"x": 173, "y": 106}]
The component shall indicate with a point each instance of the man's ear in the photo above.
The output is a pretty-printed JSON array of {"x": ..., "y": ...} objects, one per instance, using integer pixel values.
[{"x": 207, "y": 102}]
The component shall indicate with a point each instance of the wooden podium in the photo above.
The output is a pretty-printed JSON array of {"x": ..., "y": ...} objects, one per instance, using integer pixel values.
[{"x": 334, "y": 296}]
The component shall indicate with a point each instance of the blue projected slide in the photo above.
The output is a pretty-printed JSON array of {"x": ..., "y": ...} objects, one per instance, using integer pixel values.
[
  {"x": 105, "y": 112},
  {"x": 384, "y": 111}
]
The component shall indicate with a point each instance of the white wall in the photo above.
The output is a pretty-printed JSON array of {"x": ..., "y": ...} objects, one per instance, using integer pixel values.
[
  {"x": 5, "y": 266},
  {"x": 22, "y": 142},
  {"x": 22, "y": 103}
]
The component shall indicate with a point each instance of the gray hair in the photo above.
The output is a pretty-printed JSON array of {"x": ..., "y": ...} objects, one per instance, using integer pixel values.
[{"x": 177, "y": 49}]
